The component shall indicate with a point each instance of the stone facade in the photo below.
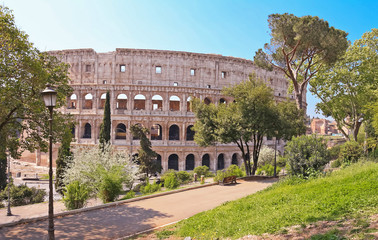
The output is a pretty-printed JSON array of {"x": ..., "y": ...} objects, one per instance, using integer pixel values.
[{"x": 153, "y": 88}]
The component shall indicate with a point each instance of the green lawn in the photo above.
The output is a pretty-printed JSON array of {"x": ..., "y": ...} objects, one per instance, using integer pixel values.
[{"x": 349, "y": 191}]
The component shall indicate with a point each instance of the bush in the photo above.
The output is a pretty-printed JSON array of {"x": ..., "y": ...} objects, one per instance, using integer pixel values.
[
  {"x": 336, "y": 163},
  {"x": 267, "y": 170},
  {"x": 130, "y": 194},
  {"x": 23, "y": 195},
  {"x": 170, "y": 181},
  {"x": 184, "y": 177},
  {"x": 203, "y": 170},
  {"x": 232, "y": 170},
  {"x": 334, "y": 152},
  {"x": 350, "y": 152},
  {"x": 139, "y": 186},
  {"x": 150, "y": 188},
  {"x": 266, "y": 156},
  {"x": 111, "y": 185},
  {"x": 75, "y": 195},
  {"x": 304, "y": 153}
]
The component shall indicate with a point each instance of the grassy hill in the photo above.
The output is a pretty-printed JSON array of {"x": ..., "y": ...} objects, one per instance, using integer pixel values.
[{"x": 345, "y": 193}]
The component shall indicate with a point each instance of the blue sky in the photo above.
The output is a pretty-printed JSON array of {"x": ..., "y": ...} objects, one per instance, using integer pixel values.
[{"x": 231, "y": 28}]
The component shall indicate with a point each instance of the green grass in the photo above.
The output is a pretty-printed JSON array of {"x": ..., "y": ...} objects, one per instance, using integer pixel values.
[{"x": 347, "y": 192}]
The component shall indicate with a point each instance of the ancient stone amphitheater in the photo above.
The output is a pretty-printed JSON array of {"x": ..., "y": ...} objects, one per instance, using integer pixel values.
[{"x": 153, "y": 88}]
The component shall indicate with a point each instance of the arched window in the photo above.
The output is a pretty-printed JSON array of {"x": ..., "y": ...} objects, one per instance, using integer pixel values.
[
  {"x": 235, "y": 159},
  {"x": 189, "y": 162},
  {"x": 73, "y": 131},
  {"x": 87, "y": 131},
  {"x": 120, "y": 131},
  {"x": 156, "y": 132},
  {"x": 88, "y": 101},
  {"x": 174, "y": 103},
  {"x": 73, "y": 102},
  {"x": 121, "y": 101},
  {"x": 189, "y": 133},
  {"x": 102, "y": 100},
  {"x": 157, "y": 102},
  {"x": 188, "y": 105},
  {"x": 139, "y": 102},
  {"x": 173, "y": 162},
  {"x": 174, "y": 132},
  {"x": 207, "y": 101},
  {"x": 222, "y": 100},
  {"x": 221, "y": 161},
  {"x": 206, "y": 160}
]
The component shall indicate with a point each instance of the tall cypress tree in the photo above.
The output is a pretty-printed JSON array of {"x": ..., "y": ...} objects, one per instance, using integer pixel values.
[
  {"x": 64, "y": 155},
  {"x": 106, "y": 123}
]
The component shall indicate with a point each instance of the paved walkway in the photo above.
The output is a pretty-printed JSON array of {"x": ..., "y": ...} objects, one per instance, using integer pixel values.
[{"x": 130, "y": 218}]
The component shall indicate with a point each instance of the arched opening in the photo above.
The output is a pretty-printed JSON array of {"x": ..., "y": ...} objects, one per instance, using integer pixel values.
[
  {"x": 206, "y": 160},
  {"x": 158, "y": 160},
  {"x": 189, "y": 133},
  {"x": 207, "y": 101},
  {"x": 139, "y": 102},
  {"x": 120, "y": 131},
  {"x": 157, "y": 102},
  {"x": 87, "y": 131},
  {"x": 156, "y": 132},
  {"x": 221, "y": 161},
  {"x": 235, "y": 159},
  {"x": 188, "y": 104},
  {"x": 189, "y": 162},
  {"x": 174, "y": 132},
  {"x": 174, "y": 103},
  {"x": 73, "y": 131},
  {"x": 73, "y": 102},
  {"x": 88, "y": 101},
  {"x": 121, "y": 101},
  {"x": 222, "y": 100},
  {"x": 102, "y": 100},
  {"x": 173, "y": 162}
]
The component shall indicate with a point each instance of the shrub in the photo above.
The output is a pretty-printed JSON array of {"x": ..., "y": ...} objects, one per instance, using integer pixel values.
[
  {"x": 150, "y": 188},
  {"x": 130, "y": 194},
  {"x": 304, "y": 153},
  {"x": 75, "y": 195},
  {"x": 170, "y": 181},
  {"x": 111, "y": 185},
  {"x": 184, "y": 177},
  {"x": 23, "y": 195},
  {"x": 203, "y": 170},
  {"x": 266, "y": 156},
  {"x": 232, "y": 170},
  {"x": 334, "y": 152},
  {"x": 267, "y": 170},
  {"x": 336, "y": 163},
  {"x": 139, "y": 186},
  {"x": 350, "y": 152}
]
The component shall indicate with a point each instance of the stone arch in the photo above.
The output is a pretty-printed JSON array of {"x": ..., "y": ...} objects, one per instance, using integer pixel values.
[
  {"x": 220, "y": 164},
  {"x": 88, "y": 101},
  {"x": 189, "y": 133},
  {"x": 121, "y": 101},
  {"x": 189, "y": 162},
  {"x": 157, "y": 102},
  {"x": 223, "y": 101},
  {"x": 206, "y": 160},
  {"x": 207, "y": 101},
  {"x": 174, "y": 103},
  {"x": 174, "y": 132},
  {"x": 102, "y": 101},
  {"x": 235, "y": 159},
  {"x": 156, "y": 132},
  {"x": 139, "y": 102},
  {"x": 87, "y": 131},
  {"x": 120, "y": 132},
  {"x": 188, "y": 104},
  {"x": 72, "y": 101},
  {"x": 173, "y": 161}
]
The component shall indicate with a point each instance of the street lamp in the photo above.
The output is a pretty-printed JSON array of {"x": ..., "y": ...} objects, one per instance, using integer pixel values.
[
  {"x": 9, "y": 213},
  {"x": 49, "y": 97}
]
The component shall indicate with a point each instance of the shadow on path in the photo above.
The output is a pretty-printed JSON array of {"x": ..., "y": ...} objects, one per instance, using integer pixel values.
[{"x": 105, "y": 223}]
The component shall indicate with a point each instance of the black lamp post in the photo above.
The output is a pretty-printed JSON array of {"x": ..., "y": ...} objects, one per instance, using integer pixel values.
[
  {"x": 49, "y": 97},
  {"x": 9, "y": 213}
]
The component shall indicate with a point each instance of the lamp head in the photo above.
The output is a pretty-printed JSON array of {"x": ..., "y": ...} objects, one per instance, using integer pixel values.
[{"x": 49, "y": 96}]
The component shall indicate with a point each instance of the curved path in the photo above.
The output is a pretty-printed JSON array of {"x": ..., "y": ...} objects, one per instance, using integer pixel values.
[{"x": 134, "y": 217}]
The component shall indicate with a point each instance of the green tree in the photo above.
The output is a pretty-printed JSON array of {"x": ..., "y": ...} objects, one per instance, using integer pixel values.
[
  {"x": 244, "y": 122},
  {"x": 106, "y": 124},
  {"x": 299, "y": 47},
  {"x": 24, "y": 73},
  {"x": 350, "y": 152},
  {"x": 305, "y": 154},
  {"x": 64, "y": 156},
  {"x": 146, "y": 156},
  {"x": 346, "y": 89}
]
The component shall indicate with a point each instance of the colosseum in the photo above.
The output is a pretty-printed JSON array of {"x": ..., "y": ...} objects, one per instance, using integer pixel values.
[{"x": 153, "y": 88}]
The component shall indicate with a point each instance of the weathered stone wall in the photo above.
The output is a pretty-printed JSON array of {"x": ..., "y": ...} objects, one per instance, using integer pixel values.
[{"x": 174, "y": 77}]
